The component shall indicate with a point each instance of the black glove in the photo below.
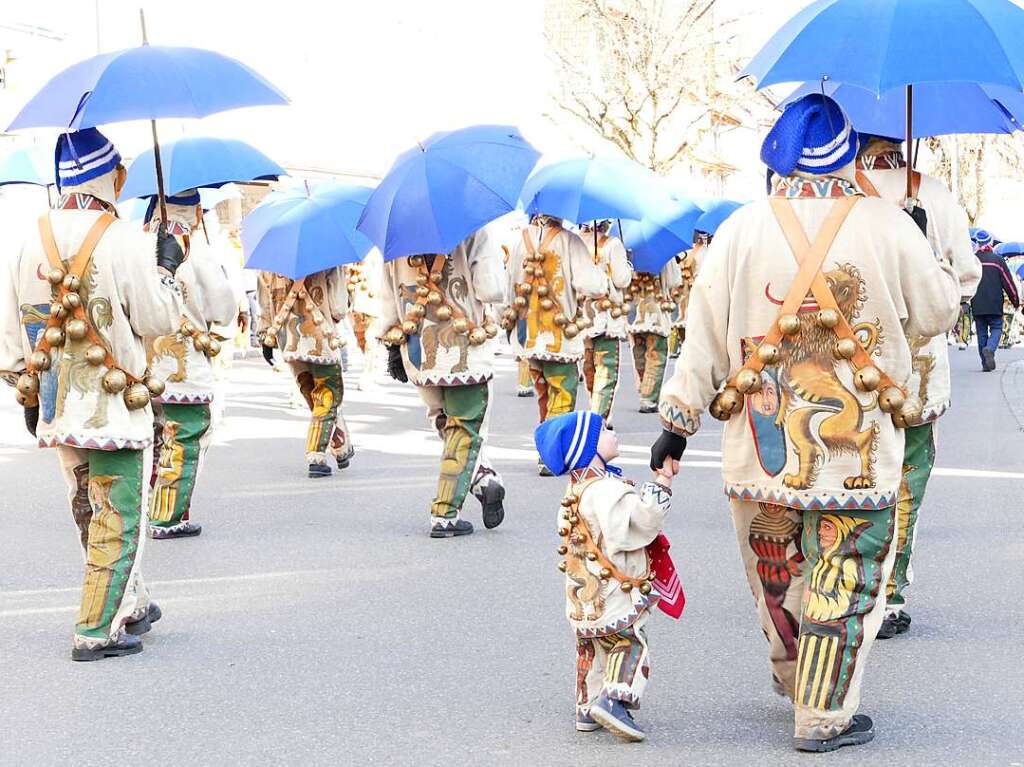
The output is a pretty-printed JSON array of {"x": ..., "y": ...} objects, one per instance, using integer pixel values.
[
  {"x": 32, "y": 419},
  {"x": 669, "y": 445},
  {"x": 396, "y": 368},
  {"x": 920, "y": 216},
  {"x": 169, "y": 254},
  {"x": 268, "y": 354}
]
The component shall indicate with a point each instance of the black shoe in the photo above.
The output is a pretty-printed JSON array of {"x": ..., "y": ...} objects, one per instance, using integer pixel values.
[
  {"x": 491, "y": 500},
  {"x": 145, "y": 623},
  {"x": 903, "y": 621},
  {"x": 890, "y": 627},
  {"x": 988, "y": 360},
  {"x": 544, "y": 471},
  {"x": 317, "y": 470},
  {"x": 447, "y": 529},
  {"x": 860, "y": 731},
  {"x": 129, "y": 645},
  {"x": 186, "y": 529},
  {"x": 344, "y": 462},
  {"x": 648, "y": 407}
]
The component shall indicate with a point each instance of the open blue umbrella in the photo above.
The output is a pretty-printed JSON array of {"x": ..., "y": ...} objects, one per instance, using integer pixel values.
[
  {"x": 591, "y": 189},
  {"x": 27, "y": 166},
  {"x": 445, "y": 189},
  {"x": 715, "y": 215},
  {"x": 197, "y": 162},
  {"x": 660, "y": 235},
  {"x": 939, "y": 108},
  {"x": 297, "y": 234},
  {"x": 1008, "y": 249}
]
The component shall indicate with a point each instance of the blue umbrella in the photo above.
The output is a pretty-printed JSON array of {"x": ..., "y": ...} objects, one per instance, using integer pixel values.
[
  {"x": 439, "y": 193},
  {"x": 201, "y": 161},
  {"x": 715, "y": 214},
  {"x": 590, "y": 189},
  {"x": 1007, "y": 249},
  {"x": 296, "y": 234},
  {"x": 27, "y": 166},
  {"x": 939, "y": 108},
  {"x": 660, "y": 236},
  {"x": 145, "y": 83}
]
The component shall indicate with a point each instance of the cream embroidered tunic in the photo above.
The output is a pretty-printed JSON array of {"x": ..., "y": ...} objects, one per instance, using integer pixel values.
[
  {"x": 612, "y": 260},
  {"x": 473, "y": 277},
  {"x": 311, "y": 323},
  {"x": 571, "y": 272},
  {"x": 647, "y": 315},
  {"x": 126, "y": 299},
  {"x": 809, "y": 439},
  {"x": 364, "y": 282}
]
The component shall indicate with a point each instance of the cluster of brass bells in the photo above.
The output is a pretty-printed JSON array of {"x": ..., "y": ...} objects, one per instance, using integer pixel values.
[
  {"x": 356, "y": 278},
  {"x": 728, "y": 403},
  {"x": 644, "y": 284},
  {"x": 427, "y": 296},
  {"x": 615, "y": 311},
  {"x": 536, "y": 283}
]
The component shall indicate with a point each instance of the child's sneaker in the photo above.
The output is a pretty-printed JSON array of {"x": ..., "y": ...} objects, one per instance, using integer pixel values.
[
  {"x": 585, "y": 722},
  {"x": 614, "y": 716}
]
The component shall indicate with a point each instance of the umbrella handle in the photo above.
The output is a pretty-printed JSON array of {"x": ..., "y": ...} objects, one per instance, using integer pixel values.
[{"x": 910, "y": 141}]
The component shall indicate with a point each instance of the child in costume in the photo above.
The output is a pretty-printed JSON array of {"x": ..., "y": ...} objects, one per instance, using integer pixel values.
[{"x": 616, "y": 567}]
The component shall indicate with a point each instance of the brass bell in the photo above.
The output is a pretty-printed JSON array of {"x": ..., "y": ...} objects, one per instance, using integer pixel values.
[
  {"x": 768, "y": 353},
  {"x": 651, "y": 576},
  {"x": 201, "y": 341},
  {"x": 645, "y": 588},
  {"x": 606, "y": 573},
  {"x": 409, "y": 327},
  {"x": 563, "y": 566},
  {"x": 583, "y": 322},
  {"x": 491, "y": 330},
  {"x": 525, "y": 289},
  {"x": 560, "y": 319},
  {"x": 54, "y": 336},
  {"x": 95, "y": 355},
  {"x": 616, "y": 312},
  {"x": 789, "y": 324},
  {"x": 26, "y": 400},
  {"x": 568, "y": 501},
  {"x": 563, "y": 549},
  {"x": 507, "y": 323},
  {"x": 443, "y": 313},
  {"x": 715, "y": 409},
  {"x": 394, "y": 337},
  {"x": 627, "y": 308},
  {"x": 136, "y": 396},
  {"x": 730, "y": 400},
  {"x": 891, "y": 400},
  {"x": 422, "y": 279},
  {"x": 461, "y": 326},
  {"x": 828, "y": 318},
  {"x": 155, "y": 385},
  {"x": 626, "y": 586},
  {"x": 573, "y": 519},
  {"x": 845, "y": 349},
  {"x": 214, "y": 348},
  {"x": 666, "y": 306},
  {"x": 57, "y": 310},
  {"x": 188, "y": 329},
  {"x": 909, "y": 414},
  {"x": 77, "y": 329},
  {"x": 592, "y": 556},
  {"x": 563, "y": 531},
  {"x": 71, "y": 283},
  {"x": 55, "y": 276},
  {"x": 434, "y": 298},
  {"x": 477, "y": 336},
  {"x": 543, "y": 290},
  {"x": 334, "y": 342},
  {"x": 547, "y": 304},
  {"x": 270, "y": 339},
  {"x": 571, "y": 330},
  {"x": 417, "y": 312},
  {"x": 867, "y": 378},
  {"x": 40, "y": 360},
  {"x": 114, "y": 381},
  {"x": 604, "y": 304},
  {"x": 747, "y": 381},
  {"x": 520, "y": 302},
  {"x": 28, "y": 384},
  {"x": 71, "y": 301},
  {"x": 422, "y": 291}
]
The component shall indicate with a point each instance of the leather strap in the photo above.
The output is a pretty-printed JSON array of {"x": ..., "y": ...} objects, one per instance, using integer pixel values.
[{"x": 546, "y": 239}]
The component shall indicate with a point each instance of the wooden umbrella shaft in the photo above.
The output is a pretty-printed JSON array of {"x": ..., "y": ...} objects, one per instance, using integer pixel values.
[{"x": 910, "y": 141}]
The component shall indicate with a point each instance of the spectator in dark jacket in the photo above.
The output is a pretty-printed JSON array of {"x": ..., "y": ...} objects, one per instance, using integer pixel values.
[{"x": 987, "y": 303}]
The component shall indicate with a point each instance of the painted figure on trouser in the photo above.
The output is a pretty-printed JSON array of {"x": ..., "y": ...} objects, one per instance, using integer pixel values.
[
  {"x": 549, "y": 269},
  {"x": 881, "y": 172},
  {"x": 301, "y": 318},
  {"x": 440, "y": 336},
  {"x": 84, "y": 296},
  {"x": 649, "y": 326},
  {"x": 182, "y": 359},
  {"x": 363, "y": 280},
  {"x": 605, "y": 317},
  {"x": 797, "y": 338},
  {"x": 616, "y": 568}
]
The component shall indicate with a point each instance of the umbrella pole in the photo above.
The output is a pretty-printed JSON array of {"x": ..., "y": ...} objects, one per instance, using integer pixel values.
[
  {"x": 156, "y": 143},
  {"x": 910, "y": 141},
  {"x": 596, "y": 256}
]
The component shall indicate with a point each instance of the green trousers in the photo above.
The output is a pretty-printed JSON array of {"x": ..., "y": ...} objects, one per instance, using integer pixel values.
[
  {"x": 323, "y": 389},
  {"x": 918, "y": 460},
  {"x": 556, "y": 384},
  {"x": 601, "y": 373},
  {"x": 107, "y": 490},
  {"x": 650, "y": 358},
  {"x": 183, "y": 440},
  {"x": 459, "y": 413}
]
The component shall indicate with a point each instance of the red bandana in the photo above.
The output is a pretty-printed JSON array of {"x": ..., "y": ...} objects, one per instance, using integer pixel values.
[{"x": 83, "y": 201}]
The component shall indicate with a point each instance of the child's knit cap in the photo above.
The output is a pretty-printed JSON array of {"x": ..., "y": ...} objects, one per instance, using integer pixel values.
[{"x": 568, "y": 441}]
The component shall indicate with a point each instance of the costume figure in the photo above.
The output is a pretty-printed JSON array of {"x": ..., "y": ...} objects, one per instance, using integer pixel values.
[
  {"x": 364, "y": 284},
  {"x": 881, "y": 172},
  {"x": 651, "y": 316},
  {"x": 796, "y": 338},
  {"x": 549, "y": 268},
  {"x": 607, "y": 526},
  {"x": 301, "y": 318},
  {"x": 85, "y": 295},
  {"x": 183, "y": 359},
  {"x": 606, "y": 318},
  {"x": 441, "y": 337}
]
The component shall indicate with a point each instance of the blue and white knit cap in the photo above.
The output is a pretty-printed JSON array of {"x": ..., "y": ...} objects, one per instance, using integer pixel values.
[
  {"x": 813, "y": 135},
  {"x": 187, "y": 199},
  {"x": 83, "y": 155},
  {"x": 983, "y": 237},
  {"x": 568, "y": 441}
]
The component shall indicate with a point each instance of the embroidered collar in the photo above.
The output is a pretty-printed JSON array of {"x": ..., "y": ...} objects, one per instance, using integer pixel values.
[
  {"x": 175, "y": 228},
  {"x": 594, "y": 472},
  {"x": 83, "y": 201},
  {"x": 796, "y": 187},
  {"x": 891, "y": 159}
]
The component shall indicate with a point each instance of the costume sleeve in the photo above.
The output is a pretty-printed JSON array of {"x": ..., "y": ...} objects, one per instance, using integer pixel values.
[
  {"x": 12, "y": 351},
  {"x": 1009, "y": 285},
  {"x": 931, "y": 290},
  {"x": 622, "y": 270},
  {"x": 949, "y": 227},
  {"x": 388, "y": 300},
  {"x": 216, "y": 297},
  {"x": 514, "y": 270},
  {"x": 151, "y": 301},
  {"x": 264, "y": 301},
  {"x": 635, "y": 519},
  {"x": 587, "y": 278},
  {"x": 486, "y": 268},
  {"x": 703, "y": 364},
  {"x": 671, "y": 276}
]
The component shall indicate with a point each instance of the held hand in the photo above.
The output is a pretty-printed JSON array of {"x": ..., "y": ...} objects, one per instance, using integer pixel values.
[
  {"x": 664, "y": 475},
  {"x": 243, "y": 322},
  {"x": 169, "y": 254},
  {"x": 669, "y": 445}
]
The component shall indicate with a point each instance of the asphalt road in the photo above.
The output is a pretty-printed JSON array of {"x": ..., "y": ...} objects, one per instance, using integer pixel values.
[{"x": 314, "y": 622}]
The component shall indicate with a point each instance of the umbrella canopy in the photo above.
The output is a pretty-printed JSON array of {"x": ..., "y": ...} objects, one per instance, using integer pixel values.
[
  {"x": 27, "y": 166},
  {"x": 715, "y": 214},
  {"x": 445, "y": 189},
  {"x": 939, "y": 108},
  {"x": 884, "y": 44},
  {"x": 660, "y": 236},
  {"x": 1008, "y": 249},
  {"x": 145, "y": 83},
  {"x": 591, "y": 189},
  {"x": 296, "y": 234},
  {"x": 197, "y": 162}
]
